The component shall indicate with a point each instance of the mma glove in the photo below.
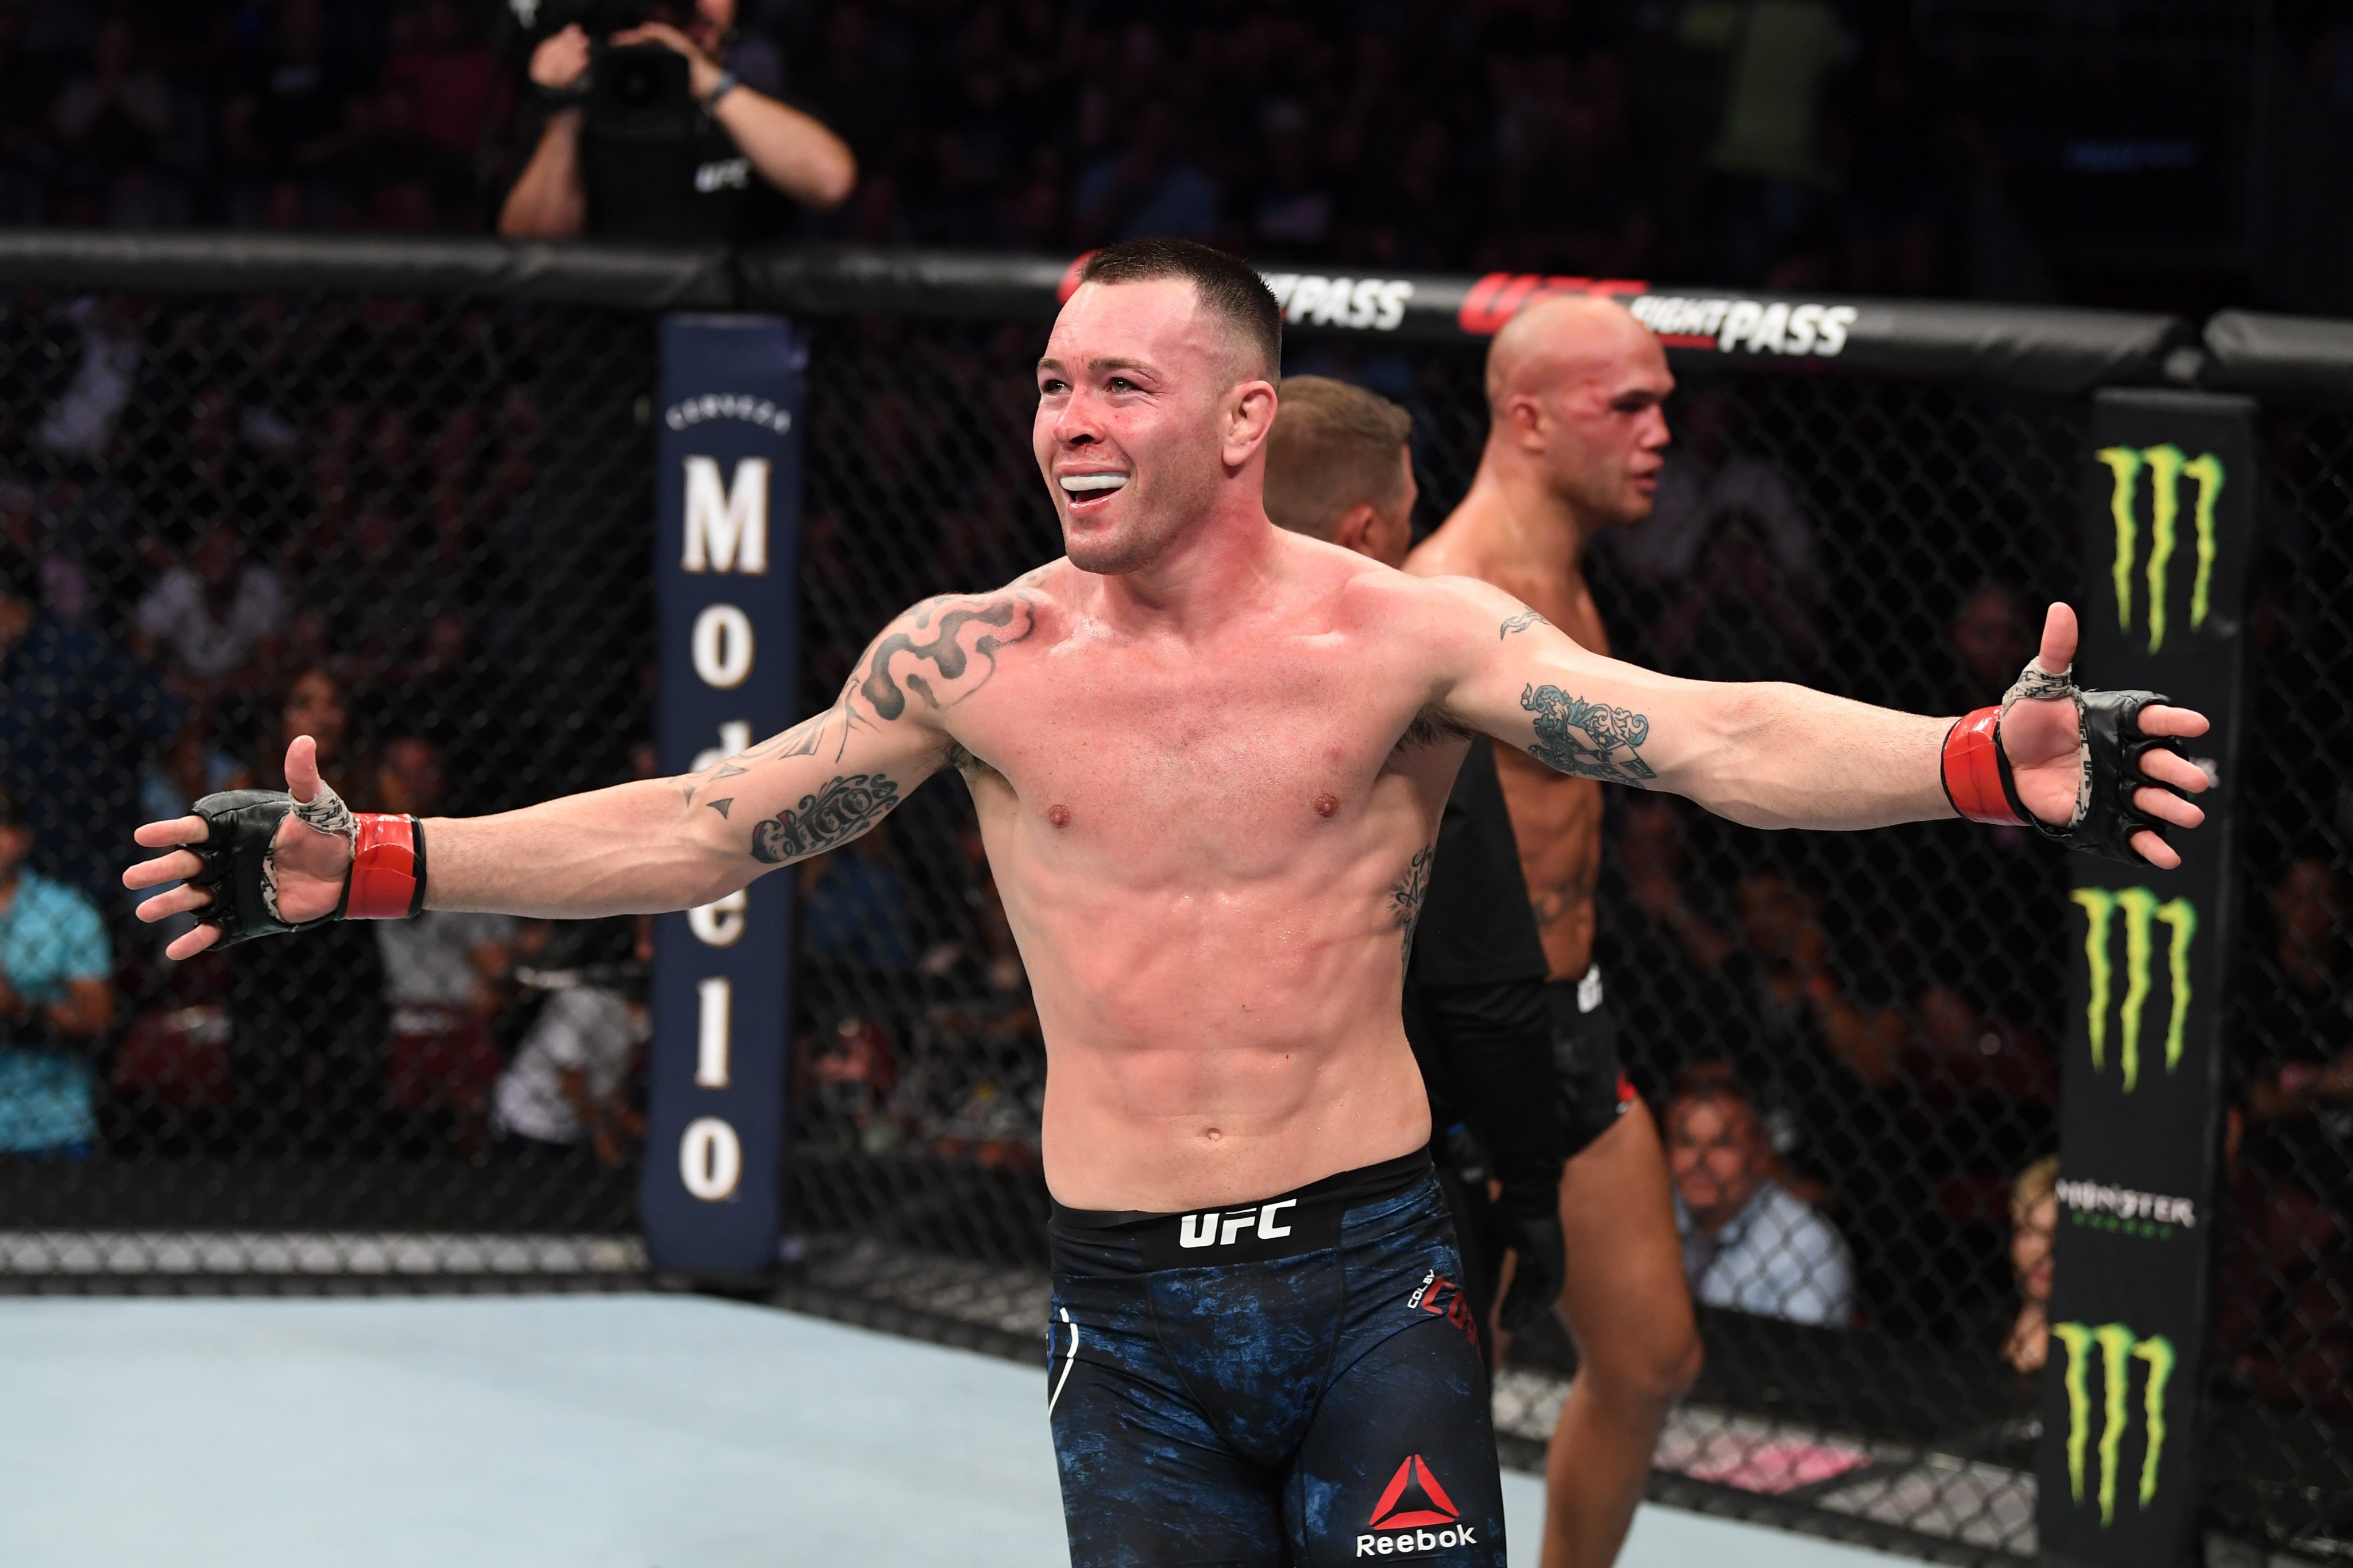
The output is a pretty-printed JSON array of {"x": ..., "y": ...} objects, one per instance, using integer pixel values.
[
  {"x": 1979, "y": 783},
  {"x": 237, "y": 862},
  {"x": 1542, "y": 1272}
]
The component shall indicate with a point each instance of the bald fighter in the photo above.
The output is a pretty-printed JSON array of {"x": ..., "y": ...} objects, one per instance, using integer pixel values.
[
  {"x": 1209, "y": 759},
  {"x": 1574, "y": 442}
]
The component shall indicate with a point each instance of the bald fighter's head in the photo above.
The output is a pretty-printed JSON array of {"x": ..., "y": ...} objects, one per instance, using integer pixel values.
[{"x": 1574, "y": 390}]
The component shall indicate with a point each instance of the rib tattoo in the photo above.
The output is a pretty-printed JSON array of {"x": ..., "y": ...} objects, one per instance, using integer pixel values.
[
  {"x": 1406, "y": 897},
  {"x": 839, "y": 812},
  {"x": 1609, "y": 748}
]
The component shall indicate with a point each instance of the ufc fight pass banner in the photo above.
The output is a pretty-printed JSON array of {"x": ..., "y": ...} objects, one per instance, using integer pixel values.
[
  {"x": 2171, "y": 495},
  {"x": 727, "y": 522}
]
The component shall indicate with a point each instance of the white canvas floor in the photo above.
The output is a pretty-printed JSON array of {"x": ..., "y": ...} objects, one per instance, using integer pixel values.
[{"x": 558, "y": 1432}]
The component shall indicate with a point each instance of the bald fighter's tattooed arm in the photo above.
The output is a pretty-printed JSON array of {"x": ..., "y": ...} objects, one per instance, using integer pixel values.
[
  {"x": 668, "y": 844},
  {"x": 1765, "y": 753}
]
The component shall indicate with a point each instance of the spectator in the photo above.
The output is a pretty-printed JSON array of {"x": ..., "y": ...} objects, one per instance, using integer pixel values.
[
  {"x": 441, "y": 975},
  {"x": 79, "y": 721},
  {"x": 286, "y": 119},
  {"x": 310, "y": 1015},
  {"x": 209, "y": 622},
  {"x": 690, "y": 180},
  {"x": 1993, "y": 636},
  {"x": 1724, "y": 571},
  {"x": 2300, "y": 1051},
  {"x": 1767, "y": 163},
  {"x": 569, "y": 1082},
  {"x": 117, "y": 130},
  {"x": 55, "y": 999},
  {"x": 25, "y": 88},
  {"x": 449, "y": 73},
  {"x": 1148, "y": 186},
  {"x": 2033, "y": 1219},
  {"x": 1750, "y": 1244}
]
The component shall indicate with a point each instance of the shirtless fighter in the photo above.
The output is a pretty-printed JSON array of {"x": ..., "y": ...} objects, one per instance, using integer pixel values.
[
  {"x": 1574, "y": 434},
  {"x": 1208, "y": 758}
]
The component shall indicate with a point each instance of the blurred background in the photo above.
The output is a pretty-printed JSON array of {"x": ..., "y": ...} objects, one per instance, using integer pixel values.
[{"x": 2175, "y": 155}]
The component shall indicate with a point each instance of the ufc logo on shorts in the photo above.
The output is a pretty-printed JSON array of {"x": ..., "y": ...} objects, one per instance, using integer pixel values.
[{"x": 1217, "y": 1228}]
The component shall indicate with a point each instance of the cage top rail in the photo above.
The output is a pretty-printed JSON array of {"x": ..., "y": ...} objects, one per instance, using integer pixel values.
[{"x": 2035, "y": 348}]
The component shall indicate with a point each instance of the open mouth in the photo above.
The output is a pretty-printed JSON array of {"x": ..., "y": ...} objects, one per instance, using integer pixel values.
[{"x": 1084, "y": 488}]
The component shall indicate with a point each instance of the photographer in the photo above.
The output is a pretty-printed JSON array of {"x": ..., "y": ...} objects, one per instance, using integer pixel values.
[{"x": 652, "y": 136}]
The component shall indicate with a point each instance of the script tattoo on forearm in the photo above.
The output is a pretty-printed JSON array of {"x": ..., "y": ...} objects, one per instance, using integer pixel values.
[
  {"x": 933, "y": 669},
  {"x": 1521, "y": 623},
  {"x": 1406, "y": 896},
  {"x": 836, "y": 814},
  {"x": 1589, "y": 739}
]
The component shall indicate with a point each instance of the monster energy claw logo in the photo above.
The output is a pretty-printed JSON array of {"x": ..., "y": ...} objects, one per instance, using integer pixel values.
[
  {"x": 2166, "y": 465},
  {"x": 2119, "y": 1347},
  {"x": 2142, "y": 915}
]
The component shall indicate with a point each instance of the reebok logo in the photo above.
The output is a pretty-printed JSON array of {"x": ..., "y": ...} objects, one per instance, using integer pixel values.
[
  {"x": 1414, "y": 1517},
  {"x": 1219, "y": 1228}
]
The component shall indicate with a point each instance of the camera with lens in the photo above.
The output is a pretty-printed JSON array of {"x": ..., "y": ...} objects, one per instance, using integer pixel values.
[{"x": 634, "y": 91}]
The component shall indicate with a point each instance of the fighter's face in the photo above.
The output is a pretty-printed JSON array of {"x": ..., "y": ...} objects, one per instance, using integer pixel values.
[
  {"x": 1609, "y": 435},
  {"x": 1144, "y": 415}
]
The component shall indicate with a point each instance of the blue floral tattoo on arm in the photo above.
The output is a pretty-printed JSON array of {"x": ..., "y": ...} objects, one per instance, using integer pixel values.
[{"x": 1589, "y": 739}]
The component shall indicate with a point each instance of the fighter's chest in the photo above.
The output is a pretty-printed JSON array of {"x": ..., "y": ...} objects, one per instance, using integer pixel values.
[{"x": 1130, "y": 736}]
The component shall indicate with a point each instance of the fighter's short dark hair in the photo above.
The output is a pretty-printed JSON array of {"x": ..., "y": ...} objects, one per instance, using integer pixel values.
[{"x": 1227, "y": 284}]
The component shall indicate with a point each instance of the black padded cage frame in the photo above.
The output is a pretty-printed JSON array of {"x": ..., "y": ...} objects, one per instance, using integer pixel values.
[{"x": 439, "y": 458}]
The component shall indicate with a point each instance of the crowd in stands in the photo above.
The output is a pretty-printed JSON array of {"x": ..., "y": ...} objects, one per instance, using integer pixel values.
[{"x": 1802, "y": 144}]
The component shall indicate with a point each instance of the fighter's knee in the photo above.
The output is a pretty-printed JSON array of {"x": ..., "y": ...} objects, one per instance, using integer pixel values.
[{"x": 1651, "y": 1370}]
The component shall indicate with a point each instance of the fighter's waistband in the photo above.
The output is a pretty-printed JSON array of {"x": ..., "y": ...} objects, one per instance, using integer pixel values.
[{"x": 1305, "y": 1219}]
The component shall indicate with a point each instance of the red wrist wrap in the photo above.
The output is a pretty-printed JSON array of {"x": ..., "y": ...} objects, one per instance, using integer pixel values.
[
  {"x": 1972, "y": 769},
  {"x": 387, "y": 870}
]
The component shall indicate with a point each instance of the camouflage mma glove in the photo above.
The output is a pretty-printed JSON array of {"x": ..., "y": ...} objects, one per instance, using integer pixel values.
[
  {"x": 1979, "y": 783},
  {"x": 237, "y": 864}
]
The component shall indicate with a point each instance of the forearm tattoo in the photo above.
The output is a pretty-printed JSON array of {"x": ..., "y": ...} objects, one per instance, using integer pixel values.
[
  {"x": 1521, "y": 623},
  {"x": 1609, "y": 747},
  {"x": 1406, "y": 896},
  {"x": 835, "y": 815}
]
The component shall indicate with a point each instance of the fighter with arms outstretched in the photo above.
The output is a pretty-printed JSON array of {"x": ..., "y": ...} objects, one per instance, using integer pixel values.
[{"x": 1209, "y": 759}]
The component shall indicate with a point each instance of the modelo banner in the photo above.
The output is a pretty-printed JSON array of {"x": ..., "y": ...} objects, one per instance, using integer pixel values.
[
  {"x": 727, "y": 520},
  {"x": 2171, "y": 499}
]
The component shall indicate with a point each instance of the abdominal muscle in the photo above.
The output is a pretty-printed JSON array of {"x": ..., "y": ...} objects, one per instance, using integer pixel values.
[{"x": 1213, "y": 1047}]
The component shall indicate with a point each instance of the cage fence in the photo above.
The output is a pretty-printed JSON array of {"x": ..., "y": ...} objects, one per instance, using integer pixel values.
[{"x": 414, "y": 525}]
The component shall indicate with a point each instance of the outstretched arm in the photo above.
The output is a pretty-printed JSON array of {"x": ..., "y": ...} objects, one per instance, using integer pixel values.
[
  {"x": 660, "y": 844},
  {"x": 1768, "y": 753}
]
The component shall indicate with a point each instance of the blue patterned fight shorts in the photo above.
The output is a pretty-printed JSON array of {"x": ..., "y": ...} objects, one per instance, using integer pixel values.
[{"x": 1293, "y": 1380}]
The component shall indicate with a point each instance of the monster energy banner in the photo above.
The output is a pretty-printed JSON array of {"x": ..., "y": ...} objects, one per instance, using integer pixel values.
[
  {"x": 2170, "y": 501},
  {"x": 727, "y": 524}
]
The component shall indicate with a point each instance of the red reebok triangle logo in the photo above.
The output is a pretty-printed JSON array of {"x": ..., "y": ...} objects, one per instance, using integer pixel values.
[{"x": 1413, "y": 1497}]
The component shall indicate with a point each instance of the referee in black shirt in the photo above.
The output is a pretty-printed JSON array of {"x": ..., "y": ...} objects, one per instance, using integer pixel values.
[
  {"x": 616, "y": 160},
  {"x": 1337, "y": 469}
]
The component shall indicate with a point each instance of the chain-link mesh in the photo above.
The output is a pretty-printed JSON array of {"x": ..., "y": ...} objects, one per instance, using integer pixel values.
[
  {"x": 421, "y": 526},
  {"x": 416, "y": 530},
  {"x": 2282, "y": 1391}
]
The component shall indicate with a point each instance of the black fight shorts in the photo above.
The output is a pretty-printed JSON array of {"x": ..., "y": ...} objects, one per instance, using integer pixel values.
[
  {"x": 1594, "y": 1091},
  {"x": 1293, "y": 1380}
]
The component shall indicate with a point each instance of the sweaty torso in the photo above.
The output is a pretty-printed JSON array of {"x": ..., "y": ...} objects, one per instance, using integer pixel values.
[
  {"x": 1211, "y": 846},
  {"x": 1557, "y": 818}
]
